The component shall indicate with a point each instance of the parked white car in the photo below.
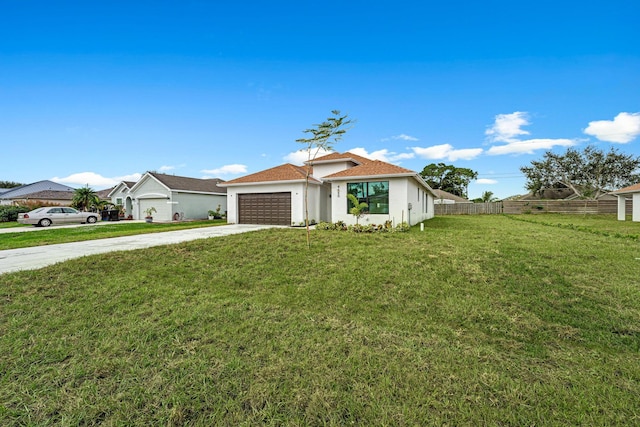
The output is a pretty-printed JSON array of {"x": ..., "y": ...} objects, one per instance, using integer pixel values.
[{"x": 44, "y": 217}]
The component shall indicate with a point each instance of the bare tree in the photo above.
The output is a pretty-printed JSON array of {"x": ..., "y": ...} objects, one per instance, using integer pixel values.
[{"x": 322, "y": 138}]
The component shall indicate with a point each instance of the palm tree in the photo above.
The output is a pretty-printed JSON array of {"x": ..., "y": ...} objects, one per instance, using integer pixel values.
[
  {"x": 358, "y": 207},
  {"x": 487, "y": 196},
  {"x": 84, "y": 198}
]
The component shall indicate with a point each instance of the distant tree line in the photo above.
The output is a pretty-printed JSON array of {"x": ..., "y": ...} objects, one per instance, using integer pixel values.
[{"x": 9, "y": 184}]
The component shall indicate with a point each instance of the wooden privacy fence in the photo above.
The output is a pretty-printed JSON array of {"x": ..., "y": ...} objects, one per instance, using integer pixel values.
[
  {"x": 469, "y": 208},
  {"x": 516, "y": 207}
]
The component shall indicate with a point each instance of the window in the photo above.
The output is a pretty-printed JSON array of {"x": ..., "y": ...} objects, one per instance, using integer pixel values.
[
  {"x": 118, "y": 200},
  {"x": 374, "y": 194}
]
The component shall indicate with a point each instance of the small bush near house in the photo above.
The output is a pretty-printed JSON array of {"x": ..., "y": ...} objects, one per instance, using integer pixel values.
[
  {"x": 387, "y": 227},
  {"x": 10, "y": 213}
]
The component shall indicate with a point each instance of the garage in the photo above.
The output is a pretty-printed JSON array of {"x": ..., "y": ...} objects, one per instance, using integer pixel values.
[{"x": 264, "y": 208}]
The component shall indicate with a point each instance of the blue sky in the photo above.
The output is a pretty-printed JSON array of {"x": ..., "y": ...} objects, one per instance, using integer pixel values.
[{"x": 99, "y": 92}]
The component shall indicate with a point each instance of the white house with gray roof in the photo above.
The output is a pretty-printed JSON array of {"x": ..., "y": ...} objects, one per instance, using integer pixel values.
[{"x": 173, "y": 197}]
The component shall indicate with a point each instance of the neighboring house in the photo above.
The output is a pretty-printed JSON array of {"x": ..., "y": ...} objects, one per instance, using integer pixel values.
[
  {"x": 120, "y": 196},
  {"x": 104, "y": 194},
  {"x": 446, "y": 198},
  {"x": 632, "y": 192},
  {"x": 46, "y": 191},
  {"x": 277, "y": 195},
  {"x": 173, "y": 197}
]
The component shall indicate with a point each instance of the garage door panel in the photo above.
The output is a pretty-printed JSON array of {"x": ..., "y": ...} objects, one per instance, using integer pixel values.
[{"x": 265, "y": 208}]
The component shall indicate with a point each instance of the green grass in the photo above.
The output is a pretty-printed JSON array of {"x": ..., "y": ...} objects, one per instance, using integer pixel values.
[
  {"x": 606, "y": 225},
  {"x": 54, "y": 235},
  {"x": 478, "y": 320},
  {"x": 13, "y": 224}
]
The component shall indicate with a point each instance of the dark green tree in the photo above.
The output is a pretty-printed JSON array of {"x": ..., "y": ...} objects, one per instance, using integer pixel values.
[
  {"x": 589, "y": 173},
  {"x": 449, "y": 178},
  {"x": 84, "y": 198},
  {"x": 9, "y": 184},
  {"x": 322, "y": 137}
]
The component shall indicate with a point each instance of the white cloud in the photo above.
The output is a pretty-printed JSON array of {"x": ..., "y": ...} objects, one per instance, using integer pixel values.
[
  {"x": 446, "y": 151},
  {"x": 94, "y": 180},
  {"x": 486, "y": 181},
  {"x": 529, "y": 146},
  {"x": 301, "y": 156},
  {"x": 405, "y": 137},
  {"x": 623, "y": 128},
  {"x": 508, "y": 126},
  {"x": 166, "y": 168},
  {"x": 234, "y": 169},
  {"x": 401, "y": 137},
  {"x": 382, "y": 155}
]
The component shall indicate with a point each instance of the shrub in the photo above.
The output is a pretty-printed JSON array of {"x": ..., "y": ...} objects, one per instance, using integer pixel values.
[
  {"x": 387, "y": 227},
  {"x": 10, "y": 213}
]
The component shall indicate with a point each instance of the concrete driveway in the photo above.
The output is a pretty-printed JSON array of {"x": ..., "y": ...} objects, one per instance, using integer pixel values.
[{"x": 41, "y": 256}]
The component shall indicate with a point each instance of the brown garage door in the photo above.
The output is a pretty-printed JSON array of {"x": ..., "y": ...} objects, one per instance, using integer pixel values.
[{"x": 265, "y": 208}]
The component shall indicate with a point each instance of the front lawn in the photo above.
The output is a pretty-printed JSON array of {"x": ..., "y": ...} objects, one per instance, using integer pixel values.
[
  {"x": 478, "y": 320},
  {"x": 54, "y": 235}
]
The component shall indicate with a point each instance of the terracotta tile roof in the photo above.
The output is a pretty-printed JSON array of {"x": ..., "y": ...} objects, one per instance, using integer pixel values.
[
  {"x": 286, "y": 172},
  {"x": 372, "y": 168},
  {"x": 183, "y": 183},
  {"x": 333, "y": 157},
  {"x": 630, "y": 189}
]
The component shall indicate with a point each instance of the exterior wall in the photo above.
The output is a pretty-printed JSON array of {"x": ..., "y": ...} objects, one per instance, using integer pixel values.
[
  {"x": 297, "y": 199},
  {"x": 622, "y": 202},
  {"x": 421, "y": 202},
  {"x": 120, "y": 192},
  {"x": 196, "y": 206},
  {"x": 402, "y": 191},
  {"x": 326, "y": 169},
  {"x": 635, "y": 216},
  {"x": 151, "y": 193},
  {"x": 22, "y": 201}
]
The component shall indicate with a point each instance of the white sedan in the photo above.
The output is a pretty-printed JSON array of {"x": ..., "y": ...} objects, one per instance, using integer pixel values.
[{"x": 44, "y": 217}]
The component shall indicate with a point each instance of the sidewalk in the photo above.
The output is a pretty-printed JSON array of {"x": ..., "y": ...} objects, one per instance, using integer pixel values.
[{"x": 40, "y": 256}]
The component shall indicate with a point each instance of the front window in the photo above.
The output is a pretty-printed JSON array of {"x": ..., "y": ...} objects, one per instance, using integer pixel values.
[{"x": 374, "y": 194}]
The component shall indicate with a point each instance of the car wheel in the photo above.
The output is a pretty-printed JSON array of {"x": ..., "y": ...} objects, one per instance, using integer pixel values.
[
  {"x": 91, "y": 219},
  {"x": 45, "y": 222}
]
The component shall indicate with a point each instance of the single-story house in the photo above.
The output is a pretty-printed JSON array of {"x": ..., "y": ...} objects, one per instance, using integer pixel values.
[
  {"x": 446, "y": 198},
  {"x": 45, "y": 191},
  {"x": 277, "y": 195},
  {"x": 632, "y": 192},
  {"x": 173, "y": 197}
]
